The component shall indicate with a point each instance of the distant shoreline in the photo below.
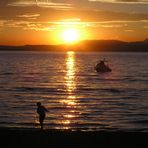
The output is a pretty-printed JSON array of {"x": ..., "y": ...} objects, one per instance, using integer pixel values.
[{"x": 85, "y": 46}]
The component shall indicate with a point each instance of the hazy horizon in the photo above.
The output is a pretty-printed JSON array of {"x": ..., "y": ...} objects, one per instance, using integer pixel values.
[{"x": 73, "y": 44}]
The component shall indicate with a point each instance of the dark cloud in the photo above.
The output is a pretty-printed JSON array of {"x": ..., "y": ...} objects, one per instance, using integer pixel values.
[{"x": 12, "y": 13}]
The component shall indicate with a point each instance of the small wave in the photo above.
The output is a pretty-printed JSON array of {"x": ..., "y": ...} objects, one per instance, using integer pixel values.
[
  {"x": 38, "y": 89},
  {"x": 101, "y": 89},
  {"x": 112, "y": 90},
  {"x": 7, "y": 73},
  {"x": 140, "y": 121},
  {"x": 60, "y": 108},
  {"x": 131, "y": 79},
  {"x": 14, "y": 123}
]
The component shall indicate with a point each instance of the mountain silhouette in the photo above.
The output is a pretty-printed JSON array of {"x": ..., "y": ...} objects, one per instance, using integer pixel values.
[{"x": 87, "y": 45}]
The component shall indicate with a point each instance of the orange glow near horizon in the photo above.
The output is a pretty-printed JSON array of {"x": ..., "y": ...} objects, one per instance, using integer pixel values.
[{"x": 66, "y": 32}]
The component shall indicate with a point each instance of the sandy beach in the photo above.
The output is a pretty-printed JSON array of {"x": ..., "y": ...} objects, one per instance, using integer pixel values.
[{"x": 14, "y": 137}]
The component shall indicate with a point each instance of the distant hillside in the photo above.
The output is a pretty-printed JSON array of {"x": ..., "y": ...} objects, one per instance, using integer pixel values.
[
  {"x": 87, "y": 45},
  {"x": 103, "y": 45}
]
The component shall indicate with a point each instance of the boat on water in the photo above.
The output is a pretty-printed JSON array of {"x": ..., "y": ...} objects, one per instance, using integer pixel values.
[{"x": 102, "y": 67}]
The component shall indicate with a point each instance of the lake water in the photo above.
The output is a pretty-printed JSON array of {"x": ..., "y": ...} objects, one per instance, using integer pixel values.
[{"x": 77, "y": 97}]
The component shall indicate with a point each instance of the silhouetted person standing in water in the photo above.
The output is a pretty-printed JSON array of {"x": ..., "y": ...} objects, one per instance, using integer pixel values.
[{"x": 41, "y": 110}]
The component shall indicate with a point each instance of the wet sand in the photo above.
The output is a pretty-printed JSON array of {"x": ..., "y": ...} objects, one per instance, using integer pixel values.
[{"x": 14, "y": 137}]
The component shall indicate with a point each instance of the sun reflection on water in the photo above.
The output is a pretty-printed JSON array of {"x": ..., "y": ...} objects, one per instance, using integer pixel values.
[
  {"x": 70, "y": 101},
  {"x": 70, "y": 75}
]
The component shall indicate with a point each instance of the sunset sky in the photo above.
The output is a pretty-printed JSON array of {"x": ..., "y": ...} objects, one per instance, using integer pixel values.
[{"x": 45, "y": 21}]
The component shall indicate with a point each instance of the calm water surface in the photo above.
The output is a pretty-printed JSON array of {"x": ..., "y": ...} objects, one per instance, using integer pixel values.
[{"x": 76, "y": 96}]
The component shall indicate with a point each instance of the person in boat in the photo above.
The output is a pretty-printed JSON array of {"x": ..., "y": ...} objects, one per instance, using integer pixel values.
[
  {"x": 41, "y": 110},
  {"x": 101, "y": 67}
]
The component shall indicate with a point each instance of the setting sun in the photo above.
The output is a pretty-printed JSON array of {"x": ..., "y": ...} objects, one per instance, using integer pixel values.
[{"x": 70, "y": 35}]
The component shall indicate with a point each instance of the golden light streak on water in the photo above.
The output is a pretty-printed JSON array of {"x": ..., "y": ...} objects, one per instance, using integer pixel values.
[
  {"x": 70, "y": 76},
  {"x": 70, "y": 83},
  {"x": 69, "y": 101}
]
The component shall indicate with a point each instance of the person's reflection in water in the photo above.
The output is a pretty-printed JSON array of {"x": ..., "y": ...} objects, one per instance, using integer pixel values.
[{"x": 41, "y": 110}]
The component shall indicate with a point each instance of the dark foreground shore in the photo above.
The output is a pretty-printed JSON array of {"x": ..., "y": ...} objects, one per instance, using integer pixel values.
[{"x": 71, "y": 139}]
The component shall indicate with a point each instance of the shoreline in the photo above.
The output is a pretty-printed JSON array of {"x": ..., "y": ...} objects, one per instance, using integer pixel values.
[{"x": 20, "y": 137}]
